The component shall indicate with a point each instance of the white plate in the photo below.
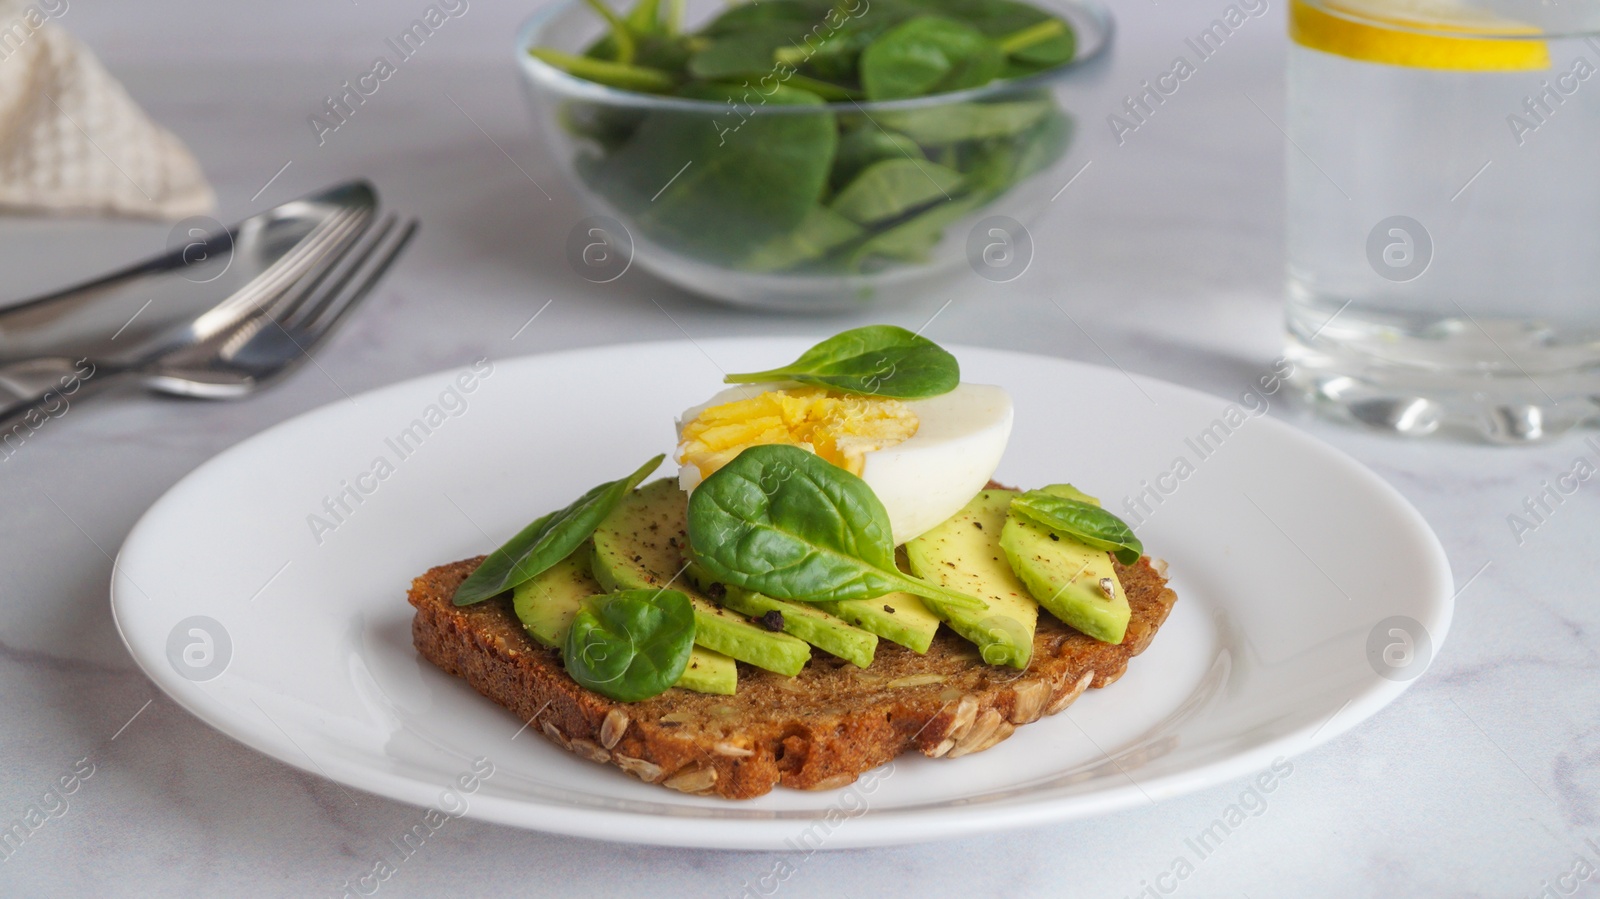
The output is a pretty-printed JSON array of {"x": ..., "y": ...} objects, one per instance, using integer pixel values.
[{"x": 1286, "y": 555}]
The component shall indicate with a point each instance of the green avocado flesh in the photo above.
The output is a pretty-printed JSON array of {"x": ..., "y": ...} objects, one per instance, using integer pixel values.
[
  {"x": 709, "y": 672},
  {"x": 1013, "y": 564},
  {"x": 640, "y": 547},
  {"x": 964, "y": 554},
  {"x": 820, "y": 629},
  {"x": 1067, "y": 491},
  {"x": 1068, "y": 578},
  {"x": 897, "y": 617},
  {"x": 547, "y": 604}
]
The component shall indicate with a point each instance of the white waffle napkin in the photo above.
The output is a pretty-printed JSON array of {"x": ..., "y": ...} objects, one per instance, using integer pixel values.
[{"x": 72, "y": 140}]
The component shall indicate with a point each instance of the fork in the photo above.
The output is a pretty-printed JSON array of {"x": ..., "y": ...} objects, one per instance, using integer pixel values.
[
  {"x": 50, "y": 377},
  {"x": 243, "y": 356},
  {"x": 187, "y": 294},
  {"x": 265, "y": 347}
]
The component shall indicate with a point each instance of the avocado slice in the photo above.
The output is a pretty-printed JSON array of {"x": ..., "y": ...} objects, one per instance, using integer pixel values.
[
  {"x": 1068, "y": 578},
  {"x": 820, "y": 629},
  {"x": 546, "y": 605},
  {"x": 1067, "y": 491},
  {"x": 709, "y": 671},
  {"x": 897, "y": 617},
  {"x": 639, "y": 547},
  {"x": 964, "y": 554}
]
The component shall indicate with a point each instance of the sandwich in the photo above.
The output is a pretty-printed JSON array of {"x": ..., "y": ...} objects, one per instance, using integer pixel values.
[{"x": 832, "y": 579}]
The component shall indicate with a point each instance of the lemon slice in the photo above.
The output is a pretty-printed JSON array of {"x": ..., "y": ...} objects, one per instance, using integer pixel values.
[{"x": 1396, "y": 33}]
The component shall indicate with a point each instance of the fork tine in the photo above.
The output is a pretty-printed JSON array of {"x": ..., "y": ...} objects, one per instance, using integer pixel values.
[
  {"x": 320, "y": 322},
  {"x": 339, "y": 276},
  {"x": 330, "y": 241},
  {"x": 277, "y": 310},
  {"x": 309, "y": 287}
]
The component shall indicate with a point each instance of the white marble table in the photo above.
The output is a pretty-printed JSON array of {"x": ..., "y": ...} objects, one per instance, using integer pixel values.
[{"x": 1484, "y": 779}]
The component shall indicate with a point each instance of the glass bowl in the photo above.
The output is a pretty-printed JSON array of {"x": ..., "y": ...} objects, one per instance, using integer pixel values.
[{"x": 740, "y": 201}]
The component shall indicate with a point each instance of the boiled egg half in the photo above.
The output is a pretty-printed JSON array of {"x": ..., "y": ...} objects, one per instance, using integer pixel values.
[{"x": 924, "y": 458}]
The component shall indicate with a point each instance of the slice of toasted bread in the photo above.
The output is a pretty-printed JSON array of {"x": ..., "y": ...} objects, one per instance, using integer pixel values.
[{"x": 819, "y": 730}]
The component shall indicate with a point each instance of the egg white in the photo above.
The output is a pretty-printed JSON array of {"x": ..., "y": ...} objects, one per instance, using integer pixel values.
[{"x": 928, "y": 477}]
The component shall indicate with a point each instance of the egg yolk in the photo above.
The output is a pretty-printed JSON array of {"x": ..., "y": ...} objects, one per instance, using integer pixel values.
[{"x": 841, "y": 428}]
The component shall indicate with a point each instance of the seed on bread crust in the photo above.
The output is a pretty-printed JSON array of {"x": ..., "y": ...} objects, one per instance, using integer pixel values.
[
  {"x": 732, "y": 749},
  {"x": 693, "y": 779},
  {"x": 960, "y": 723},
  {"x": 590, "y": 750},
  {"x": 1028, "y": 702},
  {"x": 1005, "y": 729},
  {"x": 966, "y": 711},
  {"x": 916, "y": 680},
  {"x": 554, "y": 733},
  {"x": 612, "y": 728},
  {"x": 834, "y": 782},
  {"x": 978, "y": 735},
  {"x": 1071, "y": 694},
  {"x": 648, "y": 772}
]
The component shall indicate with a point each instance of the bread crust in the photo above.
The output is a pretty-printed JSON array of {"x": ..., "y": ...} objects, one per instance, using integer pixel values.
[{"x": 819, "y": 730}]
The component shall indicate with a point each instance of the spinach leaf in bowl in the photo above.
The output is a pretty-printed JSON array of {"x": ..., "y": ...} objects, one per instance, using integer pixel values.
[
  {"x": 862, "y": 143},
  {"x": 840, "y": 189},
  {"x": 821, "y": 231},
  {"x": 721, "y": 194},
  {"x": 894, "y": 187},
  {"x": 967, "y": 121},
  {"x": 749, "y": 52},
  {"x": 928, "y": 55}
]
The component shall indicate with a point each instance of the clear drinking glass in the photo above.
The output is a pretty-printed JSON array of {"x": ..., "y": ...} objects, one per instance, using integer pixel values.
[{"x": 1444, "y": 212}]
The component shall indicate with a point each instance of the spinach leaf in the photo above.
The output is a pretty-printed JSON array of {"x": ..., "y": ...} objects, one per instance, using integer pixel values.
[
  {"x": 1080, "y": 521},
  {"x": 781, "y": 521},
  {"x": 866, "y": 143},
  {"x": 748, "y": 16},
  {"x": 660, "y": 51},
  {"x": 966, "y": 121},
  {"x": 748, "y": 52},
  {"x": 837, "y": 55},
  {"x": 894, "y": 187},
  {"x": 548, "y": 540},
  {"x": 879, "y": 360},
  {"x": 606, "y": 125},
  {"x": 1014, "y": 25},
  {"x": 992, "y": 17},
  {"x": 820, "y": 231},
  {"x": 1031, "y": 38},
  {"x": 721, "y": 192},
  {"x": 994, "y": 165},
  {"x": 1046, "y": 142},
  {"x": 829, "y": 91},
  {"x": 928, "y": 55},
  {"x": 913, "y": 239},
  {"x": 630, "y": 645}
]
